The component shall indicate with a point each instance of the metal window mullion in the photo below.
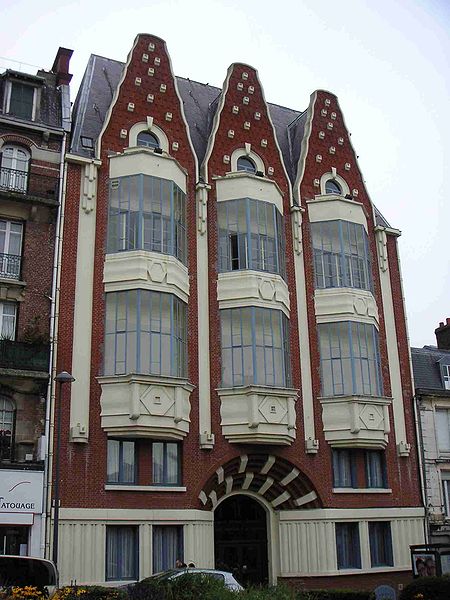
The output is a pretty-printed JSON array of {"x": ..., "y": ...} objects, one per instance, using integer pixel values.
[
  {"x": 172, "y": 222},
  {"x": 344, "y": 282},
  {"x": 138, "y": 330},
  {"x": 249, "y": 258},
  {"x": 370, "y": 359},
  {"x": 352, "y": 355},
  {"x": 253, "y": 333},
  {"x": 160, "y": 333},
  {"x": 242, "y": 345},
  {"x": 140, "y": 223},
  {"x": 120, "y": 461},
  {"x": 116, "y": 302},
  {"x": 171, "y": 316},
  {"x": 127, "y": 296}
]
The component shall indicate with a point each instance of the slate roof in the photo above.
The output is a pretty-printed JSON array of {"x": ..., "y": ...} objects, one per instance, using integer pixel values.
[
  {"x": 427, "y": 363},
  {"x": 200, "y": 103}
]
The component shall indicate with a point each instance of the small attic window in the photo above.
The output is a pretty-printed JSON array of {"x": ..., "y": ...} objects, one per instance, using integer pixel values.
[
  {"x": 445, "y": 370},
  {"x": 332, "y": 187},
  {"x": 147, "y": 139},
  {"x": 87, "y": 142},
  {"x": 246, "y": 164}
]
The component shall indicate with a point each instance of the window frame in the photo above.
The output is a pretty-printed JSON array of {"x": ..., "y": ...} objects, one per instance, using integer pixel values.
[
  {"x": 371, "y": 456},
  {"x": 165, "y": 458},
  {"x": 163, "y": 563},
  {"x": 159, "y": 223},
  {"x": 246, "y": 245},
  {"x": 9, "y": 94},
  {"x": 16, "y": 176},
  {"x": 247, "y": 168},
  {"x": 350, "y": 556},
  {"x": 349, "y": 263},
  {"x": 121, "y": 480},
  {"x": 10, "y": 264},
  {"x": 445, "y": 414},
  {"x": 344, "y": 460},
  {"x": 249, "y": 343},
  {"x": 121, "y": 530},
  {"x": 4, "y": 401},
  {"x": 381, "y": 551},
  {"x": 333, "y": 183},
  {"x": 445, "y": 374},
  {"x": 128, "y": 344},
  {"x": 445, "y": 480},
  {"x": 348, "y": 357},
  {"x": 3, "y": 335},
  {"x": 155, "y": 139}
]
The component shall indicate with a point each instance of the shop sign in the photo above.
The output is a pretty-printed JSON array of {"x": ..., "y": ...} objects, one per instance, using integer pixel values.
[{"x": 21, "y": 491}]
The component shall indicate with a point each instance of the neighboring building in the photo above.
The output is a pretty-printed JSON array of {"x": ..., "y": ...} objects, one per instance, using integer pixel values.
[
  {"x": 231, "y": 310},
  {"x": 34, "y": 121},
  {"x": 431, "y": 367}
]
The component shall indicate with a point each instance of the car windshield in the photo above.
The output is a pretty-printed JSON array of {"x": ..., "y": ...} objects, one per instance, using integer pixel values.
[{"x": 20, "y": 571}]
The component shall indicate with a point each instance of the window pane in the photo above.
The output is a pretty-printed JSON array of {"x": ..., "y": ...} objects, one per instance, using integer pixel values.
[
  {"x": 167, "y": 547},
  {"x": 347, "y": 546},
  {"x": 380, "y": 544},
  {"x": 443, "y": 429},
  {"x": 121, "y": 553}
]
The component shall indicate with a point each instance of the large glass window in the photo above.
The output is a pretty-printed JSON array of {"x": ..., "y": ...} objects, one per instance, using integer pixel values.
[
  {"x": 7, "y": 413},
  {"x": 166, "y": 463},
  {"x": 7, "y": 321},
  {"x": 21, "y": 100},
  {"x": 350, "y": 359},
  {"x": 344, "y": 469},
  {"x": 442, "y": 417},
  {"x": 122, "y": 561},
  {"x": 251, "y": 236},
  {"x": 341, "y": 255},
  {"x": 10, "y": 249},
  {"x": 121, "y": 462},
  {"x": 255, "y": 347},
  {"x": 147, "y": 213},
  {"x": 145, "y": 332},
  {"x": 347, "y": 546},
  {"x": 380, "y": 544},
  {"x": 167, "y": 546},
  {"x": 375, "y": 469},
  {"x": 14, "y": 168}
]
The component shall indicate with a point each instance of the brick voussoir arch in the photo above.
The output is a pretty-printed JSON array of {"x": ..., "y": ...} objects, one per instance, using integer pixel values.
[{"x": 273, "y": 478}]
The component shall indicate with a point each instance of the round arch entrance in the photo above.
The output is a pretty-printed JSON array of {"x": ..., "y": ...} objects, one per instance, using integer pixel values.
[{"x": 240, "y": 539}]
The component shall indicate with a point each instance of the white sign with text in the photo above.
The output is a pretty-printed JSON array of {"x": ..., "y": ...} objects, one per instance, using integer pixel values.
[{"x": 21, "y": 491}]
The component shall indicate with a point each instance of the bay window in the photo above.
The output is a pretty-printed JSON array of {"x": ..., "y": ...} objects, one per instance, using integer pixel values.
[
  {"x": 147, "y": 213},
  {"x": 251, "y": 236},
  {"x": 341, "y": 255},
  {"x": 145, "y": 332},
  {"x": 255, "y": 347},
  {"x": 349, "y": 359}
]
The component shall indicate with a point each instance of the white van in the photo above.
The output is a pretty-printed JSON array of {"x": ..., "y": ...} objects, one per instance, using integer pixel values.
[{"x": 26, "y": 570}]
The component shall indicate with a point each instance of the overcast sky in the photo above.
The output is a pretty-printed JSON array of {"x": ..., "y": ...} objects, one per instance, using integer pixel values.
[{"x": 386, "y": 60}]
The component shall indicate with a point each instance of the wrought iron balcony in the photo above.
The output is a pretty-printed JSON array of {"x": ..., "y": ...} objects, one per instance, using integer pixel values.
[
  {"x": 29, "y": 183},
  {"x": 24, "y": 357},
  {"x": 10, "y": 266}
]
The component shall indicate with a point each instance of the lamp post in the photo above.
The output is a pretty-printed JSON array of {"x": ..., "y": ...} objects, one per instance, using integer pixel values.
[{"x": 61, "y": 379}]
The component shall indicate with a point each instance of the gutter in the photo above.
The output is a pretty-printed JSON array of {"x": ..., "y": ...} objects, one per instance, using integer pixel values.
[{"x": 421, "y": 459}]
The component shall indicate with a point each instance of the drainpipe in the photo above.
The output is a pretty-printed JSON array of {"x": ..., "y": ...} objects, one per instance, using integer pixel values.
[
  {"x": 48, "y": 462},
  {"x": 421, "y": 458}
]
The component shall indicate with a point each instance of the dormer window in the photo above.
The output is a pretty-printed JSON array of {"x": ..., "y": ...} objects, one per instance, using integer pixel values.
[
  {"x": 446, "y": 376},
  {"x": 147, "y": 139},
  {"x": 21, "y": 101},
  {"x": 246, "y": 164},
  {"x": 332, "y": 187}
]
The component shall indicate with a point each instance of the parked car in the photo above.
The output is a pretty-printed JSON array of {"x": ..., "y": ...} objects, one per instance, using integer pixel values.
[
  {"x": 227, "y": 578},
  {"x": 26, "y": 570}
]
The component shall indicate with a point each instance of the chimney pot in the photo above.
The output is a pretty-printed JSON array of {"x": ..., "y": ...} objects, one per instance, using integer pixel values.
[{"x": 443, "y": 335}]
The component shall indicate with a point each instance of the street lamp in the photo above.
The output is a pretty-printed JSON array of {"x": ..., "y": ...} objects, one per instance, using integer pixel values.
[{"x": 61, "y": 379}]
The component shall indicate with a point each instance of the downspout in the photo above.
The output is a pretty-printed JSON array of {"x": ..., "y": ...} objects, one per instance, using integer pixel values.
[
  {"x": 48, "y": 462},
  {"x": 421, "y": 458}
]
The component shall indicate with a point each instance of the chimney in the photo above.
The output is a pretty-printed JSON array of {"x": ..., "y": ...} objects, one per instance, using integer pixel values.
[
  {"x": 61, "y": 66},
  {"x": 443, "y": 335}
]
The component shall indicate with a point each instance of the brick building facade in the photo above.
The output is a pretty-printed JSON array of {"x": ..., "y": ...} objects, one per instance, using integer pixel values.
[
  {"x": 34, "y": 123},
  {"x": 231, "y": 310}
]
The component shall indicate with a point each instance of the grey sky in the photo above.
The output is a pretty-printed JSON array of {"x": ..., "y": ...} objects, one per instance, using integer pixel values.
[{"x": 386, "y": 60}]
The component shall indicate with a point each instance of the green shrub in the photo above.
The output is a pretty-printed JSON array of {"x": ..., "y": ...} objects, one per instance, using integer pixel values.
[
  {"x": 89, "y": 592},
  {"x": 185, "y": 587},
  {"x": 427, "y": 588},
  {"x": 280, "y": 592}
]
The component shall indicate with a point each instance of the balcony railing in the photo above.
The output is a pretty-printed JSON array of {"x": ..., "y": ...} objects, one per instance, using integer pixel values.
[
  {"x": 29, "y": 183},
  {"x": 24, "y": 357},
  {"x": 10, "y": 266}
]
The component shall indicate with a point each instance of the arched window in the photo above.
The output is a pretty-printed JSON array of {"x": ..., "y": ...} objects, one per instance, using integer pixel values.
[
  {"x": 246, "y": 164},
  {"x": 147, "y": 139},
  {"x": 14, "y": 168},
  {"x": 332, "y": 187},
  {"x": 6, "y": 428}
]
